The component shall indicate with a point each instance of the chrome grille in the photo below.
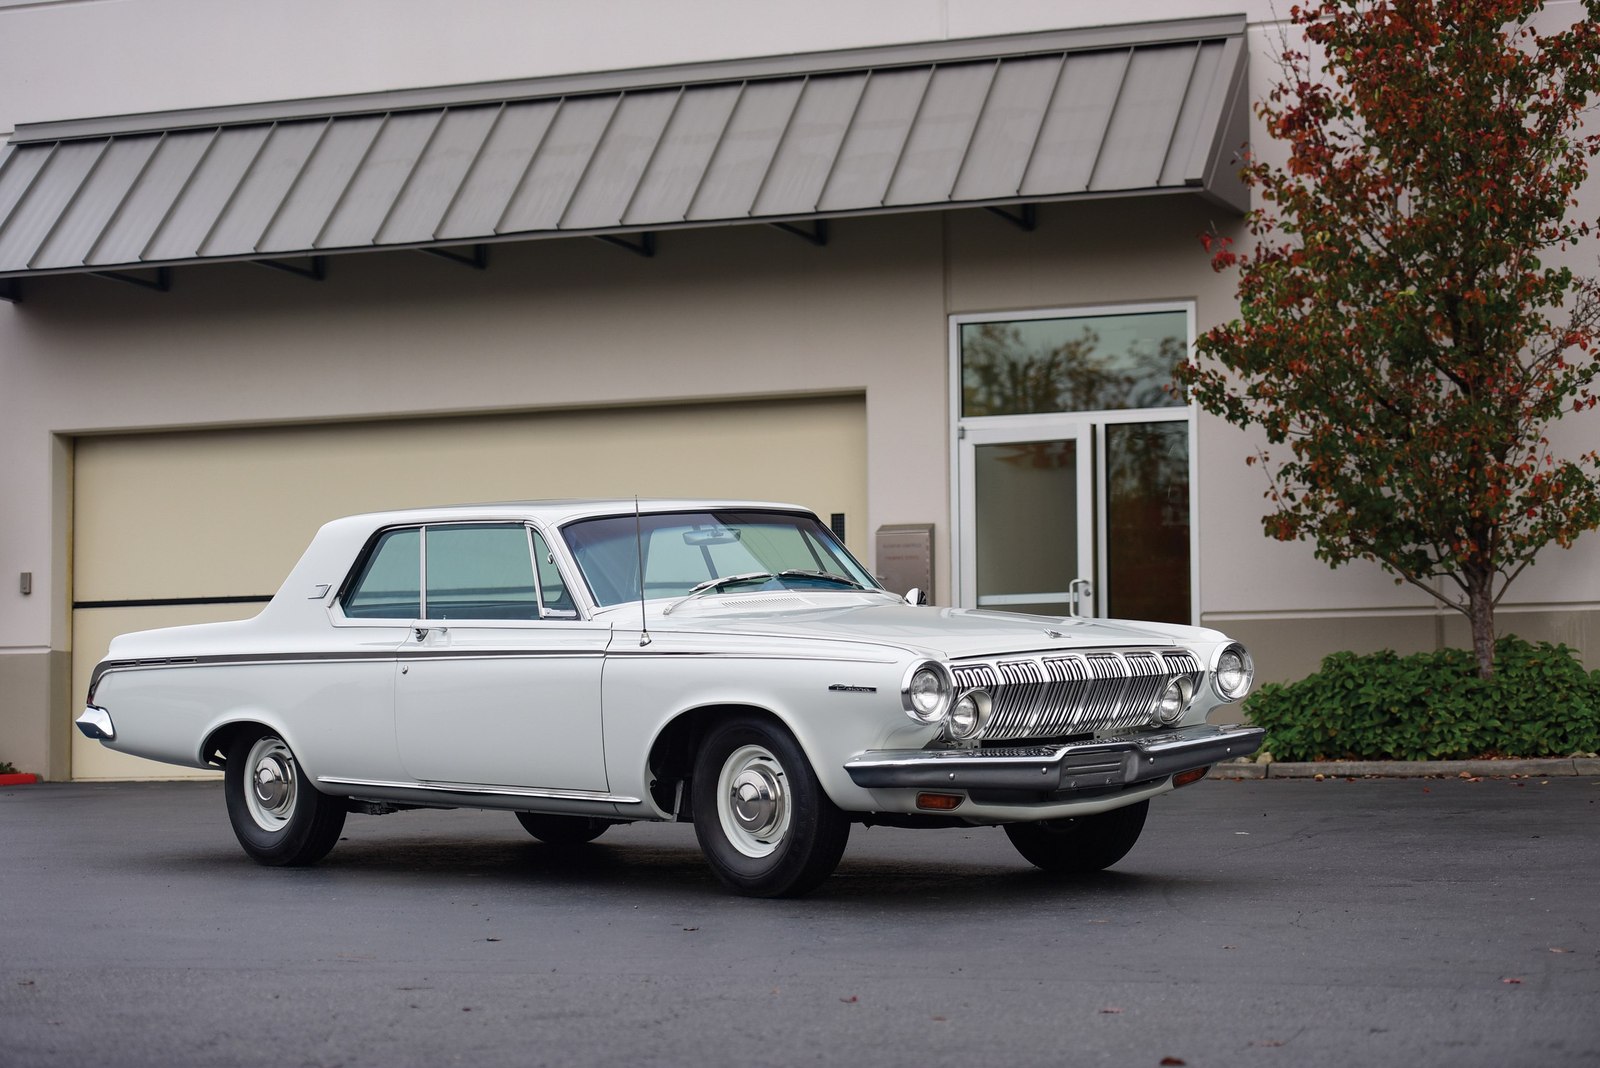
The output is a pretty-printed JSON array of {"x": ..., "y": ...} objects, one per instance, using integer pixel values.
[{"x": 1061, "y": 694}]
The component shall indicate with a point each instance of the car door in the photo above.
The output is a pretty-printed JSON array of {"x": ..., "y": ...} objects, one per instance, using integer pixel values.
[{"x": 499, "y": 683}]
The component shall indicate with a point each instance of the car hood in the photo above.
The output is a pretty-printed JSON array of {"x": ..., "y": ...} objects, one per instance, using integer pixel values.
[{"x": 954, "y": 633}]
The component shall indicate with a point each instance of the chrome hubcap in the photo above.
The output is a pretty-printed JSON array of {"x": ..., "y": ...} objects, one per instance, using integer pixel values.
[
  {"x": 270, "y": 793},
  {"x": 756, "y": 793},
  {"x": 753, "y": 801}
]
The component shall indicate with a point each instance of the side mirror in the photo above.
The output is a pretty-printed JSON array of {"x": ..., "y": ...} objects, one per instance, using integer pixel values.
[{"x": 915, "y": 596}]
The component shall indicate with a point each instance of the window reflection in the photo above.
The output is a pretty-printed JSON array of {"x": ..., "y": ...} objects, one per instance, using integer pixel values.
[
  {"x": 1082, "y": 363},
  {"x": 1147, "y": 501}
]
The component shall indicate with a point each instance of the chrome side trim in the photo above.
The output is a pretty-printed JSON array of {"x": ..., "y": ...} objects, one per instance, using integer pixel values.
[
  {"x": 96, "y": 723},
  {"x": 1114, "y": 761},
  {"x": 480, "y": 790}
]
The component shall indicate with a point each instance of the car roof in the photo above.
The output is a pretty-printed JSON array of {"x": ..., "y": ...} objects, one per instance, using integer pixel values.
[{"x": 557, "y": 512}]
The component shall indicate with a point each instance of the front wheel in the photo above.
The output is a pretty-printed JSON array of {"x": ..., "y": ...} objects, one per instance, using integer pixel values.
[
  {"x": 563, "y": 830},
  {"x": 764, "y": 823},
  {"x": 277, "y": 815},
  {"x": 1082, "y": 843}
]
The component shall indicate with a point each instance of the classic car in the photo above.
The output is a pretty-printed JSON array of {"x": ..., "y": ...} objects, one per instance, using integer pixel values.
[{"x": 729, "y": 663}]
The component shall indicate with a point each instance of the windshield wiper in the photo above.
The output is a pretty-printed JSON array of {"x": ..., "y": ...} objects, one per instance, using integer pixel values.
[
  {"x": 710, "y": 585},
  {"x": 799, "y": 572}
]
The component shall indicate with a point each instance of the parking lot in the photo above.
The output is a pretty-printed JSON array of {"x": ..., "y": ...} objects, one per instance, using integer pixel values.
[{"x": 1413, "y": 922}]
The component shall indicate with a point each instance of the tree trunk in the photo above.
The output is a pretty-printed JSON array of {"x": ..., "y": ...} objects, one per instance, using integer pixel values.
[{"x": 1480, "y": 611}]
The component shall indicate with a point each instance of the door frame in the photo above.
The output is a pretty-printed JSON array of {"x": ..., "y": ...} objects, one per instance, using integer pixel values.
[
  {"x": 1036, "y": 427},
  {"x": 1046, "y": 428}
]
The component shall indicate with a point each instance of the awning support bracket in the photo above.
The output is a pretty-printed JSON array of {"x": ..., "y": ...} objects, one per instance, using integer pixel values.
[
  {"x": 1026, "y": 219},
  {"x": 161, "y": 283},
  {"x": 317, "y": 272},
  {"x": 478, "y": 261},
  {"x": 817, "y": 234},
  {"x": 645, "y": 246}
]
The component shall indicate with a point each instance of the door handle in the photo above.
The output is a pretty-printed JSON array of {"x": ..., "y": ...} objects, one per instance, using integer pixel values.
[{"x": 1079, "y": 593}]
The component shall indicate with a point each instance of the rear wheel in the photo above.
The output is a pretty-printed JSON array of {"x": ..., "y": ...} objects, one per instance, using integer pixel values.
[
  {"x": 277, "y": 815},
  {"x": 1080, "y": 844},
  {"x": 763, "y": 821},
  {"x": 563, "y": 830}
]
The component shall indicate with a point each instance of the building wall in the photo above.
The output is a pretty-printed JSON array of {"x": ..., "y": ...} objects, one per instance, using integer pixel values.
[{"x": 718, "y": 315}]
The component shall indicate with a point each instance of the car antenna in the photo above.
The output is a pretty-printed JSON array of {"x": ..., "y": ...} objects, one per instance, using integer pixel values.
[{"x": 638, "y": 542}]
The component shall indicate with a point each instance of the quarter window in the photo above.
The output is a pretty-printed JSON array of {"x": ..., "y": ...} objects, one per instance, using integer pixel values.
[{"x": 390, "y": 586}]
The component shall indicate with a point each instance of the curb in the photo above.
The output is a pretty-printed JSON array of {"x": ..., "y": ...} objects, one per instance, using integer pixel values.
[
  {"x": 1408, "y": 769},
  {"x": 18, "y": 778}
]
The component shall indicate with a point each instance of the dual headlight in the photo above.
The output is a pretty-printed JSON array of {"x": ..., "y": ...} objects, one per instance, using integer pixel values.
[
  {"x": 929, "y": 696},
  {"x": 1233, "y": 672}
]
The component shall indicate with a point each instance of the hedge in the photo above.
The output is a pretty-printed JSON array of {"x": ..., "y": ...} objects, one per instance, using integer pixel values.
[{"x": 1432, "y": 706}]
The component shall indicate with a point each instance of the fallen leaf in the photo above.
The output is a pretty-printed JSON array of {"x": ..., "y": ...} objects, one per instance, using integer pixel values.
[
  {"x": 1110, "y": 1010},
  {"x": 852, "y": 999},
  {"x": 1173, "y": 1062},
  {"x": 941, "y": 1019},
  {"x": 1558, "y": 949},
  {"x": 1268, "y": 1042},
  {"x": 1426, "y": 790},
  {"x": 1511, "y": 979},
  {"x": 491, "y": 939},
  {"x": 1230, "y": 947},
  {"x": 691, "y": 928}
]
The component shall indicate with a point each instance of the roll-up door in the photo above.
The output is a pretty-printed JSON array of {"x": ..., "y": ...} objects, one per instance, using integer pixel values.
[{"x": 193, "y": 526}]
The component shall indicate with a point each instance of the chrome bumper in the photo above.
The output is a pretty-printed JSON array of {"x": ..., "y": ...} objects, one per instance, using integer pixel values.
[
  {"x": 96, "y": 723},
  {"x": 1119, "y": 760}
]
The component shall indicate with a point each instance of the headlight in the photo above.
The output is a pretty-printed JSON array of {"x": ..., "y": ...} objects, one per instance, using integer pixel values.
[
  {"x": 1233, "y": 672},
  {"x": 968, "y": 715},
  {"x": 926, "y": 692},
  {"x": 1174, "y": 701}
]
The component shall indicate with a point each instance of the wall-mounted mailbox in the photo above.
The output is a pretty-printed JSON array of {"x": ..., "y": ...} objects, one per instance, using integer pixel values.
[{"x": 905, "y": 557}]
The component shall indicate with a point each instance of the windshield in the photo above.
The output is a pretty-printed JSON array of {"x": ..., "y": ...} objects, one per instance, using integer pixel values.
[{"x": 683, "y": 550}]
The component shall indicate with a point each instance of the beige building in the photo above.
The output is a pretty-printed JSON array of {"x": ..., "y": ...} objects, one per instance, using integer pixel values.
[{"x": 917, "y": 264}]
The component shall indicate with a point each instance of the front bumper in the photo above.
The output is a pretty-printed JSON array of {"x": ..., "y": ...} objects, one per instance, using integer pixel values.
[{"x": 1120, "y": 760}]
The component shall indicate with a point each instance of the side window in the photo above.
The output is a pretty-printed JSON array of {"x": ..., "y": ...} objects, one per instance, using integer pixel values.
[
  {"x": 550, "y": 585},
  {"x": 480, "y": 571},
  {"x": 390, "y": 585}
]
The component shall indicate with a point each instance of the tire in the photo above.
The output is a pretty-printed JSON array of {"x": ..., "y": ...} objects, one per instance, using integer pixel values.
[
  {"x": 1081, "y": 844},
  {"x": 563, "y": 830},
  {"x": 278, "y": 816},
  {"x": 763, "y": 821}
]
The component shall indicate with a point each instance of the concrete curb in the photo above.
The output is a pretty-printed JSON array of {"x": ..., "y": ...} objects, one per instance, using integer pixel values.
[{"x": 1409, "y": 769}]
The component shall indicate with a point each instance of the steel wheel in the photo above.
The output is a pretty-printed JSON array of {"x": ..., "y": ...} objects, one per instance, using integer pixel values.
[
  {"x": 753, "y": 801},
  {"x": 273, "y": 783},
  {"x": 277, "y": 815}
]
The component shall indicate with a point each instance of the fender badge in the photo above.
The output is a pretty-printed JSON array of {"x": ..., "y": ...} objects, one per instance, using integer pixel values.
[
  {"x": 840, "y": 687},
  {"x": 1054, "y": 633}
]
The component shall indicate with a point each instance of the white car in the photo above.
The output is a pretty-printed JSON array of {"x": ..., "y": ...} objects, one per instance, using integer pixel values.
[{"x": 758, "y": 681}]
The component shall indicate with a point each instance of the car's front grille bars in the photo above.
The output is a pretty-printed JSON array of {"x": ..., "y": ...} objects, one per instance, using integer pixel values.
[{"x": 1061, "y": 694}]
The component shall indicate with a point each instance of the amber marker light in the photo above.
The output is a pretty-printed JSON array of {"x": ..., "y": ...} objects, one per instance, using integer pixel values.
[
  {"x": 939, "y": 802},
  {"x": 1184, "y": 778}
]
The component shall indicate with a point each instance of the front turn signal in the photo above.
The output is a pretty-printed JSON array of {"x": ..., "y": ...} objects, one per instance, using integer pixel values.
[{"x": 1184, "y": 778}]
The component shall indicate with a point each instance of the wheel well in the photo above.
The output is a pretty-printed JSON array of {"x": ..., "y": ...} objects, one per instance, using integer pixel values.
[
  {"x": 671, "y": 761},
  {"x": 214, "y": 750}
]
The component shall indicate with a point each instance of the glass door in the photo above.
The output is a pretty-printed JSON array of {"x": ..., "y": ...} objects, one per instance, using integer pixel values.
[{"x": 1029, "y": 530}]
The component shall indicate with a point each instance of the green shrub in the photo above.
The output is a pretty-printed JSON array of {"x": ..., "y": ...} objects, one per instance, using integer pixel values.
[{"x": 1432, "y": 706}]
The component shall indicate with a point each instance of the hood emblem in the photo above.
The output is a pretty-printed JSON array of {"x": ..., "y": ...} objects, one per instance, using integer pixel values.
[{"x": 840, "y": 687}]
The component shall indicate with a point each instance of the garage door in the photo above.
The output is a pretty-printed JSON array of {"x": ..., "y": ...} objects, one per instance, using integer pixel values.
[{"x": 189, "y": 527}]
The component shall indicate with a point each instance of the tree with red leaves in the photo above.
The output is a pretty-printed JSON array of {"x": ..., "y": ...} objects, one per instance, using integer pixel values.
[{"x": 1398, "y": 328}]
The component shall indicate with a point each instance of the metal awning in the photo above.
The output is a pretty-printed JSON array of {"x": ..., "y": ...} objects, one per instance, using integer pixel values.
[{"x": 1150, "y": 108}]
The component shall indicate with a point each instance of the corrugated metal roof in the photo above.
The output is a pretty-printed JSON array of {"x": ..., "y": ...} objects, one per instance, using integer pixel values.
[{"x": 1109, "y": 111}]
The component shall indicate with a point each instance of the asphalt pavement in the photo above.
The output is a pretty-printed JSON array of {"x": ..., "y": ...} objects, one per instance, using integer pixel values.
[{"x": 1267, "y": 922}]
